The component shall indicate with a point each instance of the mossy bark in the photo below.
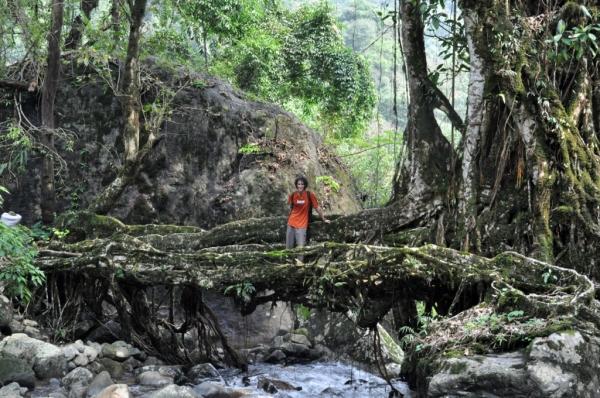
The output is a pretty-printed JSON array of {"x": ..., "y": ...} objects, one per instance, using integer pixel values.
[{"x": 530, "y": 162}]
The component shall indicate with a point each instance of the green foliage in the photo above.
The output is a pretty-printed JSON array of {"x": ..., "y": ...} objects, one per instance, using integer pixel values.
[
  {"x": 302, "y": 312},
  {"x": 574, "y": 43},
  {"x": 549, "y": 277},
  {"x": 17, "y": 255},
  {"x": 300, "y": 60},
  {"x": 330, "y": 182},
  {"x": 18, "y": 144},
  {"x": 372, "y": 161},
  {"x": 250, "y": 148},
  {"x": 17, "y": 268},
  {"x": 243, "y": 291}
]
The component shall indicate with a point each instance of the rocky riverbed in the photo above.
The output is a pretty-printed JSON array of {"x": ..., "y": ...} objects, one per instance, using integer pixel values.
[{"x": 292, "y": 366}]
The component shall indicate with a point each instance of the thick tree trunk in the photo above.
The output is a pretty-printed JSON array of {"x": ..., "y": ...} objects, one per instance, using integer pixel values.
[
  {"x": 131, "y": 109},
  {"x": 130, "y": 90},
  {"x": 48, "y": 96},
  {"x": 426, "y": 169},
  {"x": 476, "y": 123},
  {"x": 530, "y": 157}
]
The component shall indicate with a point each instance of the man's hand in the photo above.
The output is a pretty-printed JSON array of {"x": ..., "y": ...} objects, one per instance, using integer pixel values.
[{"x": 326, "y": 221}]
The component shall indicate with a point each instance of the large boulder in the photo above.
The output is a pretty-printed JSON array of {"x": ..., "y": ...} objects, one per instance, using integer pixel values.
[
  {"x": 16, "y": 370},
  {"x": 13, "y": 390},
  {"x": 558, "y": 366},
  {"x": 47, "y": 360},
  {"x": 223, "y": 157}
]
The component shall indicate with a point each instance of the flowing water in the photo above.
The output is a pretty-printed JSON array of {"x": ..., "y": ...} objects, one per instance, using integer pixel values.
[
  {"x": 318, "y": 379},
  {"x": 324, "y": 379}
]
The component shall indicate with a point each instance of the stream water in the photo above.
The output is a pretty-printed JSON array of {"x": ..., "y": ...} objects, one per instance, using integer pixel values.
[
  {"x": 324, "y": 379},
  {"x": 319, "y": 379}
]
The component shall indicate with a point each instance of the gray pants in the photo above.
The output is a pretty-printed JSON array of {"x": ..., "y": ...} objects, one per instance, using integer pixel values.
[{"x": 295, "y": 235}]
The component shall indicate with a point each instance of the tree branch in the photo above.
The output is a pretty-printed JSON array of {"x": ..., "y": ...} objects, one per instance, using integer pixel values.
[{"x": 441, "y": 102}]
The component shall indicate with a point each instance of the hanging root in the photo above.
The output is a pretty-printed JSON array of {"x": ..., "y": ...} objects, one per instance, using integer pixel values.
[{"x": 380, "y": 363}]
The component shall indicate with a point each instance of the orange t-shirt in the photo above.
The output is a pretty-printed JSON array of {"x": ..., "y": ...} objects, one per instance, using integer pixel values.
[{"x": 299, "y": 215}]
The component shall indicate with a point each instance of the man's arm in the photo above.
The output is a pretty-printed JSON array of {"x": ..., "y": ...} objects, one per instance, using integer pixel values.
[
  {"x": 318, "y": 209},
  {"x": 315, "y": 205}
]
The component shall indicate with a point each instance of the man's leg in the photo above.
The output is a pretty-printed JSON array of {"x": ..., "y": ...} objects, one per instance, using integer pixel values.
[
  {"x": 300, "y": 237},
  {"x": 300, "y": 241},
  {"x": 289, "y": 237}
]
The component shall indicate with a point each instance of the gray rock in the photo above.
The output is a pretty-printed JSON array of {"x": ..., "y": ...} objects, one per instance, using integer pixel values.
[
  {"x": 565, "y": 365},
  {"x": 278, "y": 341},
  {"x": 77, "y": 390},
  {"x": 173, "y": 391},
  {"x": 272, "y": 386},
  {"x": 131, "y": 363},
  {"x": 558, "y": 366},
  {"x": 79, "y": 345},
  {"x": 477, "y": 375},
  {"x": 119, "y": 351},
  {"x": 295, "y": 350},
  {"x": 12, "y": 390},
  {"x": 113, "y": 367},
  {"x": 34, "y": 333},
  {"x": 46, "y": 359},
  {"x": 77, "y": 375},
  {"x": 95, "y": 367},
  {"x": 210, "y": 389},
  {"x": 95, "y": 346},
  {"x": 173, "y": 372},
  {"x": 90, "y": 352},
  {"x": 70, "y": 351},
  {"x": 300, "y": 339},
  {"x": 114, "y": 391},
  {"x": 16, "y": 370},
  {"x": 153, "y": 378},
  {"x": 276, "y": 356},
  {"x": 16, "y": 326},
  {"x": 98, "y": 384},
  {"x": 6, "y": 312},
  {"x": 202, "y": 372},
  {"x": 81, "y": 360}
]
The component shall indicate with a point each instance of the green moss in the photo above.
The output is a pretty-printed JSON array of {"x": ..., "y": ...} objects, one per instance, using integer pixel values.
[
  {"x": 453, "y": 353},
  {"x": 87, "y": 225},
  {"x": 277, "y": 254},
  {"x": 457, "y": 368},
  {"x": 161, "y": 229}
]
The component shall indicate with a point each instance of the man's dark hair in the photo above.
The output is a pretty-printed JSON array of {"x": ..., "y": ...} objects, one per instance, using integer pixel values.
[{"x": 304, "y": 180}]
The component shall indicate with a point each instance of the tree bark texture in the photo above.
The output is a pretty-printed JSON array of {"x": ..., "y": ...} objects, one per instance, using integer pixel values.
[
  {"x": 48, "y": 123},
  {"x": 129, "y": 92},
  {"x": 426, "y": 167},
  {"x": 529, "y": 160}
]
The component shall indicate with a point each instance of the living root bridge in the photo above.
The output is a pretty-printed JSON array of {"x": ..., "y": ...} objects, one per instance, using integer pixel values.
[
  {"x": 147, "y": 271},
  {"x": 339, "y": 276}
]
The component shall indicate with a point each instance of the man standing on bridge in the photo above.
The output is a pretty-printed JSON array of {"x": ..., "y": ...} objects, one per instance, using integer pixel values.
[{"x": 301, "y": 204}]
